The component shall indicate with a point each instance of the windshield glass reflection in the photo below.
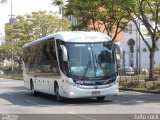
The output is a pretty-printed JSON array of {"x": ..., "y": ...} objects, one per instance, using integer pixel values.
[{"x": 88, "y": 60}]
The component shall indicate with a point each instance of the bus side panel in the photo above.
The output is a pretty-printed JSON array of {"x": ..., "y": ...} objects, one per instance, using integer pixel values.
[{"x": 45, "y": 85}]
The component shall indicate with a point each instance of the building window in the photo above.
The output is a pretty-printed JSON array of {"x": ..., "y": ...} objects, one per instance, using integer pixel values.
[
  {"x": 144, "y": 49},
  {"x": 131, "y": 44}
]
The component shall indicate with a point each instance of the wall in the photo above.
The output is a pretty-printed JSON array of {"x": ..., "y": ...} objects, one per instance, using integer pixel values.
[{"x": 139, "y": 56}]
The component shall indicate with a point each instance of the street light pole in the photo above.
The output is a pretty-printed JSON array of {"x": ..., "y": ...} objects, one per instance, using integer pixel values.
[
  {"x": 12, "y": 63},
  {"x": 137, "y": 63}
]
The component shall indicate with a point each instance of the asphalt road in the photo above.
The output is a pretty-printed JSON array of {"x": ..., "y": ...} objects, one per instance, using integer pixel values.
[{"x": 15, "y": 99}]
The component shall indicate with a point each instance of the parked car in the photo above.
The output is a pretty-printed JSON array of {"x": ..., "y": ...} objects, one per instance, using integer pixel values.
[
  {"x": 144, "y": 71},
  {"x": 129, "y": 71}
]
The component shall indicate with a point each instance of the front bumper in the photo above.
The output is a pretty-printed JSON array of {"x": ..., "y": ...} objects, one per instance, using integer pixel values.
[{"x": 87, "y": 92}]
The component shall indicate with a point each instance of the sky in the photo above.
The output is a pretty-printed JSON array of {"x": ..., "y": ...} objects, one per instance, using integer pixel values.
[{"x": 22, "y": 7}]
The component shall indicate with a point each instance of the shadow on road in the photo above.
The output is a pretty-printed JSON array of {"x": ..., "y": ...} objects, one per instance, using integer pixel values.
[{"x": 20, "y": 96}]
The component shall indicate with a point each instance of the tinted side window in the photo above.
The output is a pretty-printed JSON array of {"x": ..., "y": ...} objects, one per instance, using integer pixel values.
[
  {"x": 48, "y": 60},
  {"x": 42, "y": 58}
]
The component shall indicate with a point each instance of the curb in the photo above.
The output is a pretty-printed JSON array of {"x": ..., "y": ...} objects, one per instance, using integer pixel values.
[{"x": 145, "y": 91}]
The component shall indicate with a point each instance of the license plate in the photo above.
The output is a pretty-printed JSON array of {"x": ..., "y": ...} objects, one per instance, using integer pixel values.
[{"x": 95, "y": 92}]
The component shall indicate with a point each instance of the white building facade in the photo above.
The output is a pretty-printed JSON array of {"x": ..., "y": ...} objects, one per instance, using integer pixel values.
[{"x": 135, "y": 51}]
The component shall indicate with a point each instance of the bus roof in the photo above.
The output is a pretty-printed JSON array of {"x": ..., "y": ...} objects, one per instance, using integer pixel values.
[{"x": 74, "y": 36}]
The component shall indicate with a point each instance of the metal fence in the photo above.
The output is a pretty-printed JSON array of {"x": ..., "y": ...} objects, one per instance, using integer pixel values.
[{"x": 140, "y": 80}]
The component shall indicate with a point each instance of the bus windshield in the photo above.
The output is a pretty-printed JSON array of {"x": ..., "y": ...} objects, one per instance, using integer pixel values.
[{"x": 91, "y": 60}]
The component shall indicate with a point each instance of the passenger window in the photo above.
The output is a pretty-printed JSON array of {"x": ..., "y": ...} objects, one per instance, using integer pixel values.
[{"x": 42, "y": 58}]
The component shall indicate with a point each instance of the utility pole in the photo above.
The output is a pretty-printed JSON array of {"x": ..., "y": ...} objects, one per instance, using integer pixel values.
[
  {"x": 137, "y": 49},
  {"x": 11, "y": 19}
]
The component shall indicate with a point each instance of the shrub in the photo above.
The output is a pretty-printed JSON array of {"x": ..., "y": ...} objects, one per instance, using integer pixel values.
[{"x": 8, "y": 69}]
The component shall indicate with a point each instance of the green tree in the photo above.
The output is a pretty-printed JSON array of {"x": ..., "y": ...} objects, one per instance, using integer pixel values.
[
  {"x": 57, "y": 2},
  {"x": 148, "y": 12},
  {"x": 31, "y": 27},
  {"x": 114, "y": 17},
  {"x": 104, "y": 16},
  {"x": 4, "y": 52}
]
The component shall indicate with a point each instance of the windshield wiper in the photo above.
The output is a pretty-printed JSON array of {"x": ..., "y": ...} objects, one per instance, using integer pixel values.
[
  {"x": 98, "y": 64},
  {"x": 85, "y": 72},
  {"x": 94, "y": 66}
]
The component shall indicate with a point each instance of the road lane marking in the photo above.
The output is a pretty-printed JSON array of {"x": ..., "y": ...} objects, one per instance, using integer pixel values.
[
  {"x": 89, "y": 118},
  {"x": 21, "y": 90},
  {"x": 31, "y": 102}
]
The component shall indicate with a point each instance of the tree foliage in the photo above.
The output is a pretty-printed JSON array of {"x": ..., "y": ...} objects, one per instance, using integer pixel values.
[
  {"x": 28, "y": 28},
  {"x": 148, "y": 12},
  {"x": 104, "y": 16},
  {"x": 58, "y": 2}
]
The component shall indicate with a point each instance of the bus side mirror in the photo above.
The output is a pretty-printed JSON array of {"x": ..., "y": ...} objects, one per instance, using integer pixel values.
[
  {"x": 118, "y": 60},
  {"x": 118, "y": 49},
  {"x": 64, "y": 53}
]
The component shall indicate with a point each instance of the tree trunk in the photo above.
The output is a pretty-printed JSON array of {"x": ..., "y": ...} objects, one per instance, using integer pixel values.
[{"x": 152, "y": 62}]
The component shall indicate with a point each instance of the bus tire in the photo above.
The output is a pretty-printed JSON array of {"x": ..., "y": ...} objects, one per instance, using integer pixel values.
[
  {"x": 33, "y": 92},
  {"x": 58, "y": 97},
  {"x": 101, "y": 98}
]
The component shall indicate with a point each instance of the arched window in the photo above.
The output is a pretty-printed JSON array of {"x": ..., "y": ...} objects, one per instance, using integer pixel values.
[{"x": 131, "y": 44}]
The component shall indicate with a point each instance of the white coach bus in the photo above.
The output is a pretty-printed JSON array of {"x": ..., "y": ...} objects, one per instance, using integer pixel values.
[{"x": 71, "y": 65}]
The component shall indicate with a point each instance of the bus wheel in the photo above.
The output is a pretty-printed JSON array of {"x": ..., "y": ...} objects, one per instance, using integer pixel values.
[
  {"x": 101, "y": 98},
  {"x": 58, "y": 97},
  {"x": 33, "y": 92}
]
